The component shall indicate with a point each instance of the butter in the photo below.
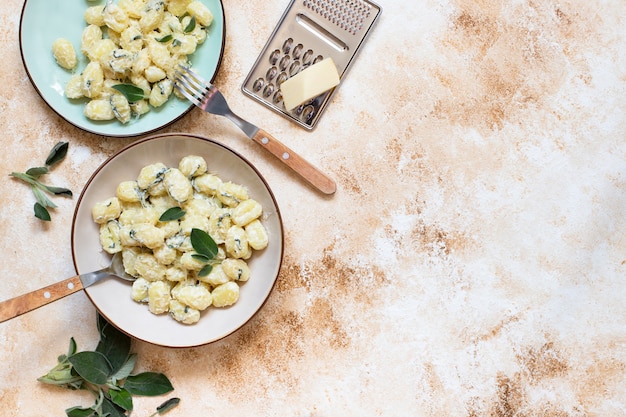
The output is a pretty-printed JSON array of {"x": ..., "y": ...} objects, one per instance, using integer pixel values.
[{"x": 309, "y": 83}]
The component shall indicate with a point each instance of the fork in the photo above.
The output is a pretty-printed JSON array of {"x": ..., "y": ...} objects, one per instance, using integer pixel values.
[{"x": 207, "y": 97}]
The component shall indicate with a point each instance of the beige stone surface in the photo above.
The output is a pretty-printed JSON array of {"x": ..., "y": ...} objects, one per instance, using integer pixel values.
[{"x": 471, "y": 263}]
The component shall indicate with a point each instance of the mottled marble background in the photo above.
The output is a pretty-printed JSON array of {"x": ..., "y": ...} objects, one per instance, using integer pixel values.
[{"x": 471, "y": 263}]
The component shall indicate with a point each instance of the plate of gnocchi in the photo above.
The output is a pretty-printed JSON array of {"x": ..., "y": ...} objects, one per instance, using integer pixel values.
[
  {"x": 196, "y": 225},
  {"x": 107, "y": 67}
]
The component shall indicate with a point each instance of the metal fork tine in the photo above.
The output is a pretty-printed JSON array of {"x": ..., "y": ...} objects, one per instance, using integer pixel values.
[
  {"x": 185, "y": 85},
  {"x": 187, "y": 94},
  {"x": 194, "y": 87},
  {"x": 201, "y": 81}
]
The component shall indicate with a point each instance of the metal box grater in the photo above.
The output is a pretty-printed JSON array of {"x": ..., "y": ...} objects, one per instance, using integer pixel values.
[{"x": 309, "y": 31}]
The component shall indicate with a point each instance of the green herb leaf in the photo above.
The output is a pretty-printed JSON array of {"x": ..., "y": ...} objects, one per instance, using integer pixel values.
[
  {"x": 122, "y": 398},
  {"x": 42, "y": 213},
  {"x": 125, "y": 370},
  {"x": 79, "y": 412},
  {"x": 115, "y": 346},
  {"x": 168, "y": 405},
  {"x": 165, "y": 39},
  {"x": 206, "y": 270},
  {"x": 36, "y": 172},
  {"x": 201, "y": 258},
  {"x": 31, "y": 176},
  {"x": 42, "y": 199},
  {"x": 101, "y": 323},
  {"x": 191, "y": 25},
  {"x": 203, "y": 243},
  {"x": 170, "y": 214},
  {"x": 132, "y": 93},
  {"x": 56, "y": 190},
  {"x": 148, "y": 384},
  {"x": 57, "y": 154},
  {"x": 92, "y": 366},
  {"x": 72, "y": 348},
  {"x": 92, "y": 371},
  {"x": 24, "y": 177},
  {"x": 111, "y": 409}
]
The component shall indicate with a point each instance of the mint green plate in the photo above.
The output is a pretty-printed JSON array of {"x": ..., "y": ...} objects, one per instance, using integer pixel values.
[{"x": 43, "y": 21}]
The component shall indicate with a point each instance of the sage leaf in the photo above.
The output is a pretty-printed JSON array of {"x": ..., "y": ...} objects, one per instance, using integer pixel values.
[
  {"x": 92, "y": 366},
  {"x": 165, "y": 39},
  {"x": 125, "y": 370},
  {"x": 148, "y": 384},
  {"x": 56, "y": 190},
  {"x": 32, "y": 175},
  {"x": 173, "y": 213},
  {"x": 191, "y": 25},
  {"x": 79, "y": 412},
  {"x": 72, "y": 348},
  {"x": 42, "y": 199},
  {"x": 111, "y": 409},
  {"x": 206, "y": 270},
  {"x": 42, "y": 213},
  {"x": 201, "y": 258},
  {"x": 36, "y": 172},
  {"x": 203, "y": 243},
  {"x": 168, "y": 405},
  {"x": 57, "y": 154},
  {"x": 101, "y": 323},
  {"x": 114, "y": 345},
  {"x": 132, "y": 93},
  {"x": 24, "y": 177},
  {"x": 122, "y": 398}
]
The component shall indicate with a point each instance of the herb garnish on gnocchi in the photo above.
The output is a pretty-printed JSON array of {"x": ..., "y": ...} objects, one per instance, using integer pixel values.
[
  {"x": 185, "y": 234},
  {"x": 133, "y": 48}
]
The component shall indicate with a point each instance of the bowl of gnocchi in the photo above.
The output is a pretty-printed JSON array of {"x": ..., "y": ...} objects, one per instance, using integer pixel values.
[
  {"x": 197, "y": 227},
  {"x": 107, "y": 67}
]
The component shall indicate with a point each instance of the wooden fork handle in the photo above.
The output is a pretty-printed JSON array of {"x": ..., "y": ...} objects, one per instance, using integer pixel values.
[
  {"x": 311, "y": 174},
  {"x": 30, "y": 301}
]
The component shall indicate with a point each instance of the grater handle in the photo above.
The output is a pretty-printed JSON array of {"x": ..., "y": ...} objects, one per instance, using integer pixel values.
[{"x": 311, "y": 174}]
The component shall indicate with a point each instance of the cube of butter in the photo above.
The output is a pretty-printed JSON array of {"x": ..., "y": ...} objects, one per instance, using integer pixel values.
[{"x": 309, "y": 83}]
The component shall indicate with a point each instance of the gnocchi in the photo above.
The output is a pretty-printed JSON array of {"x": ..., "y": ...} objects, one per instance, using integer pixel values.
[
  {"x": 137, "y": 44},
  {"x": 158, "y": 251}
]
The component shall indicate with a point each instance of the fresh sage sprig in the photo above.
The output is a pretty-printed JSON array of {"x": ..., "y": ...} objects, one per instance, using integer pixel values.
[
  {"x": 204, "y": 245},
  {"x": 107, "y": 373},
  {"x": 173, "y": 213},
  {"x": 132, "y": 93},
  {"x": 206, "y": 249},
  {"x": 191, "y": 25},
  {"x": 32, "y": 176}
]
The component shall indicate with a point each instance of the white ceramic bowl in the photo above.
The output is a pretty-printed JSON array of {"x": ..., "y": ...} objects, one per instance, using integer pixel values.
[
  {"x": 111, "y": 297},
  {"x": 43, "y": 21}
]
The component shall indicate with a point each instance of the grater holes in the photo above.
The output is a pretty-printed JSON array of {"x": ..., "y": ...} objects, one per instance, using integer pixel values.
[
  {"x": 274, "y": 57},
  {"x": 348, "y": 15},
  {"x": 289, "y": 58},
  {"x": 307, "y": 57},
  {"x": 287, "y": 45},
  {"x": 258, "y": 84},
  {"x": 294, "y": 68},
  {"x": 284, "y": 62},
  {"x": 278, "y": 97},
  {"x": 271, "y": 73},
  {"x": 297, "y": 51},
  {"x": 307, "y": 113},
  {"x": 268, "y": 90},
  {"x": 282, "y": 77}
]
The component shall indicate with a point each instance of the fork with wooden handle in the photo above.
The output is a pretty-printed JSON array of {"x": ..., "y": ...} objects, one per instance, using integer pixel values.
[{"x": 207, "y": 97}]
